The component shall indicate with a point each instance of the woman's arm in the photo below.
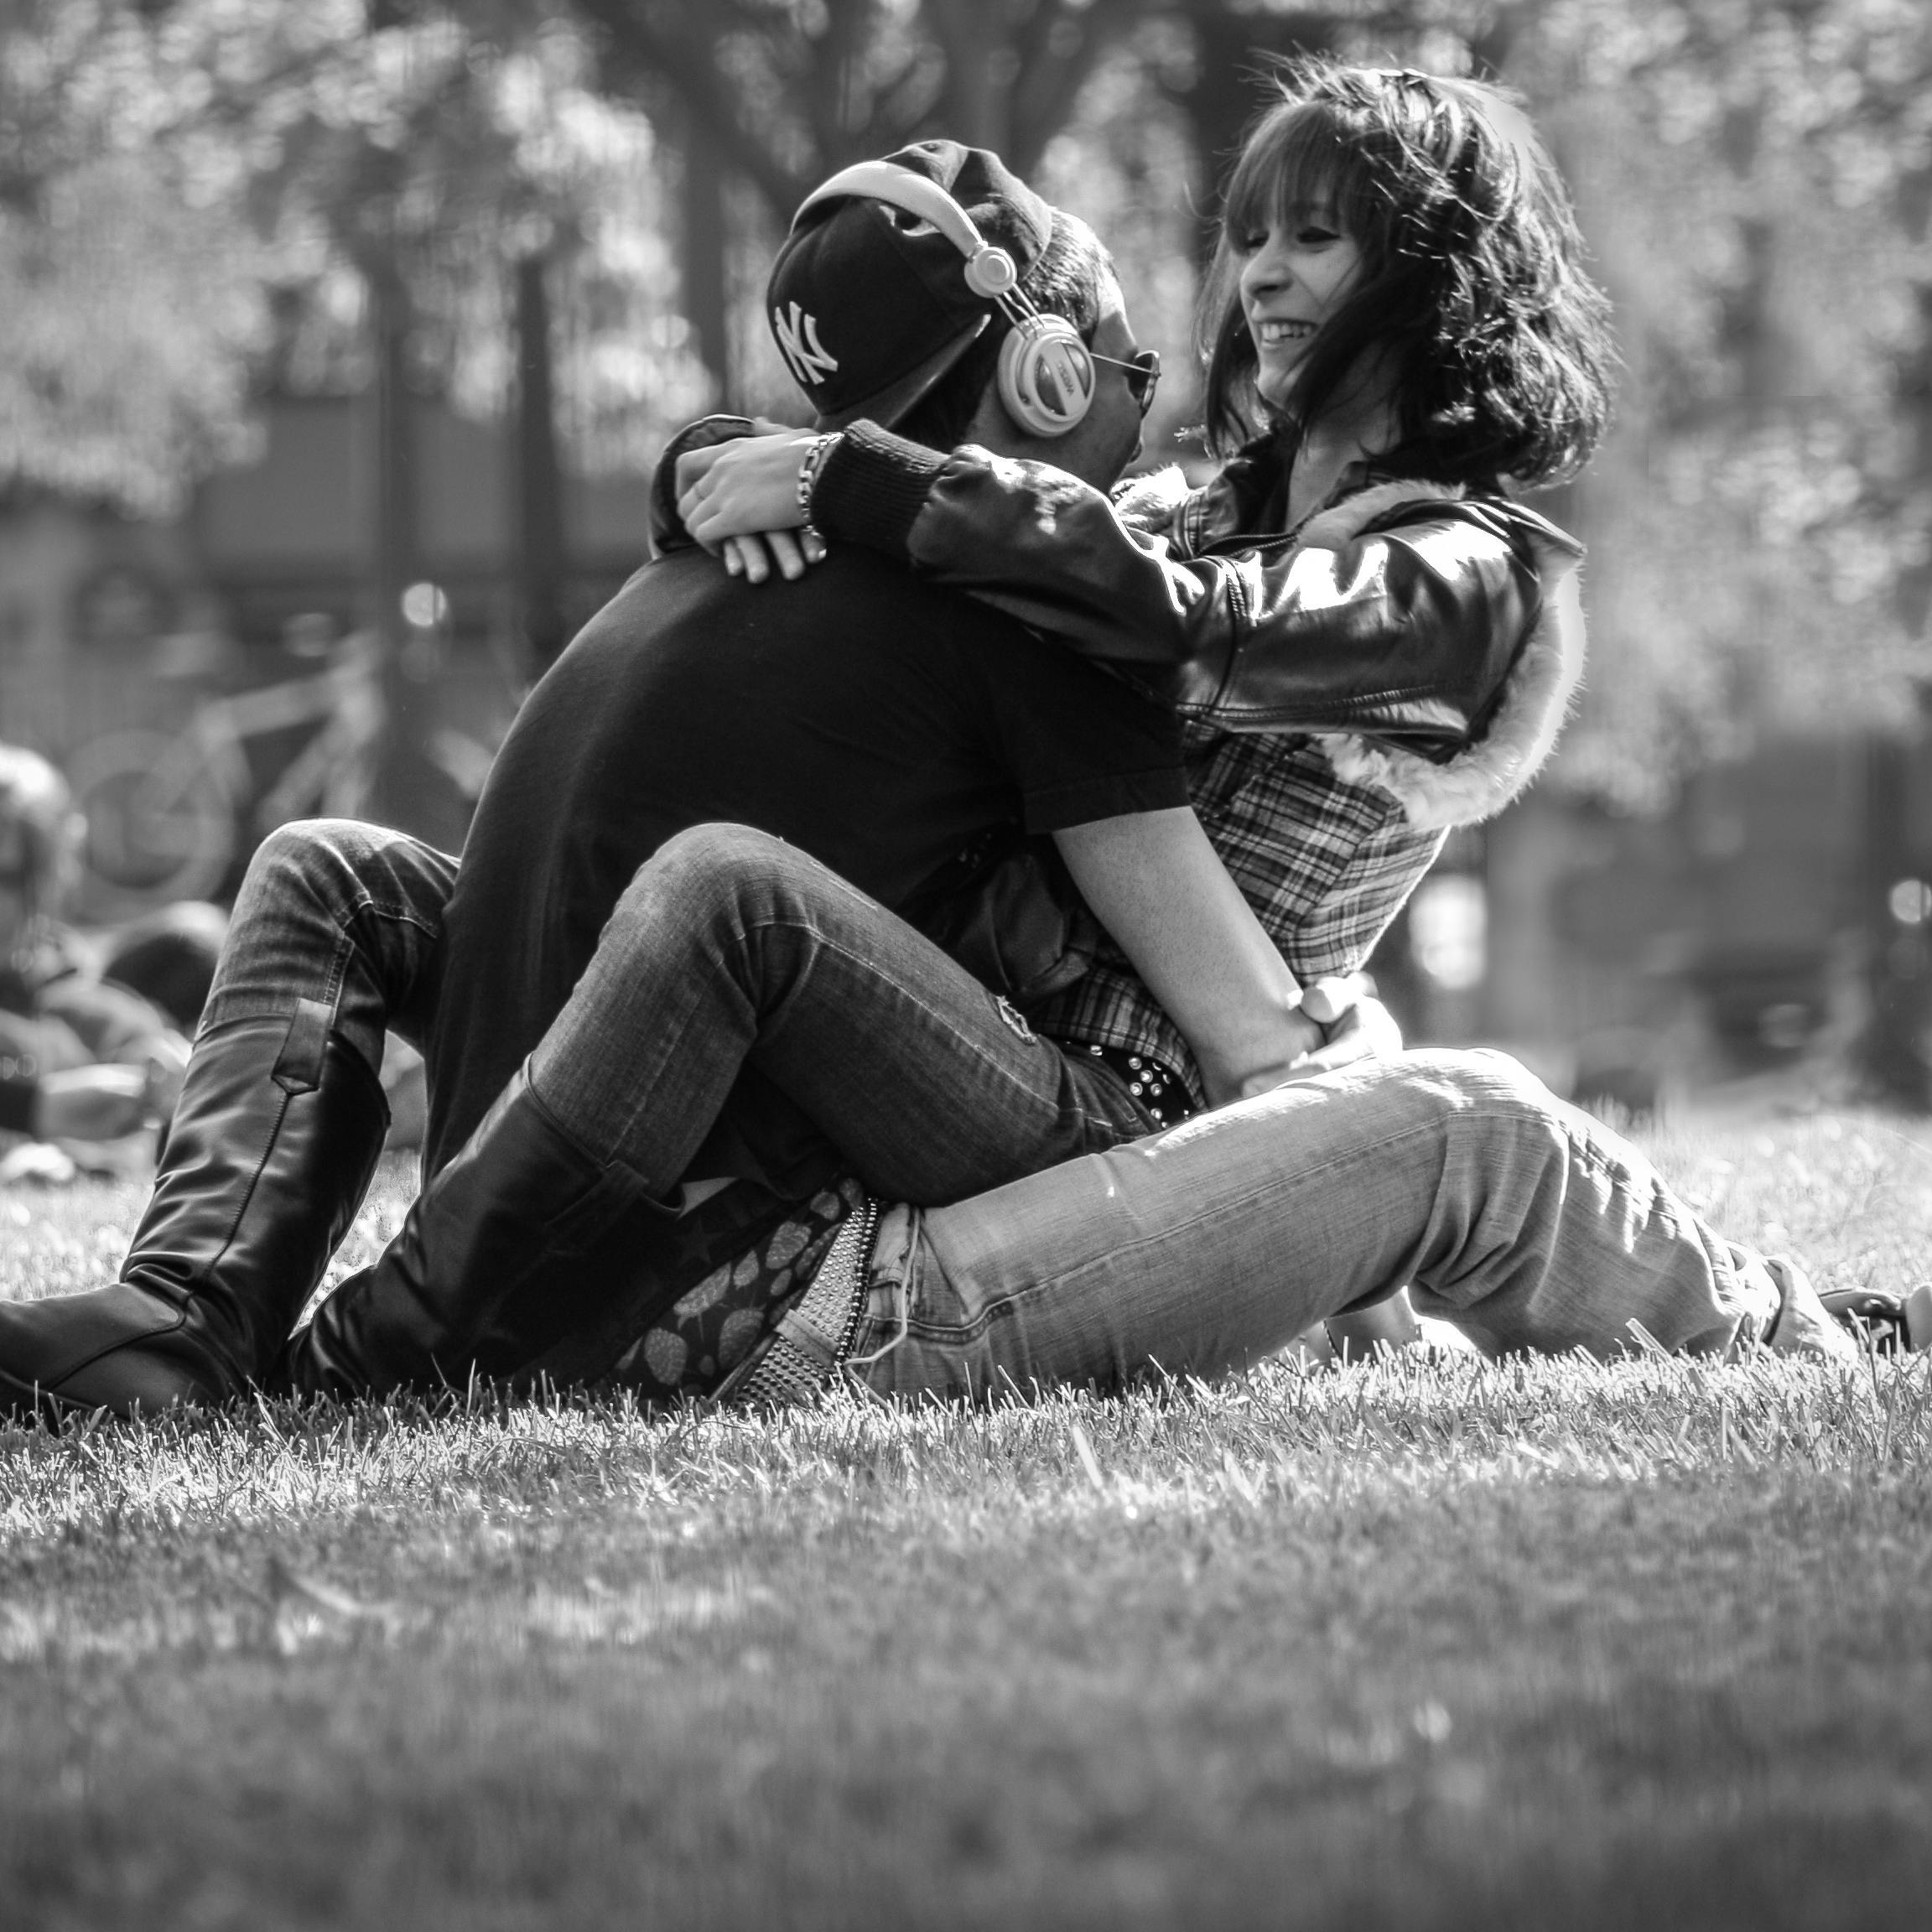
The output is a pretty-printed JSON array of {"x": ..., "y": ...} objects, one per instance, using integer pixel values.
[
  {"x": 1156, "y": 883},
  {"x": 1403, "y": 630}
]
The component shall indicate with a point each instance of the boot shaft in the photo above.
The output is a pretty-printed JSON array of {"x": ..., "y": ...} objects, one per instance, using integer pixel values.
[{"x": 271, "y": 1151}]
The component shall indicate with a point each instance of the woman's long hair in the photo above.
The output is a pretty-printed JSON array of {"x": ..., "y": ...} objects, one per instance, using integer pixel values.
[{"x": 1473, "y": 299}]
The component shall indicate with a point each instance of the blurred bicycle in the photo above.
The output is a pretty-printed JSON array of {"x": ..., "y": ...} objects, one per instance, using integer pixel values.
[{"x": 164, "y": 810}]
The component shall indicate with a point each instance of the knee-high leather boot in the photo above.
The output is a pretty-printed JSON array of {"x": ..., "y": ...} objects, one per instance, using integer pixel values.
[
  {"x": 269, "y": 1153},
  {"x": 516, "y": 1213}
]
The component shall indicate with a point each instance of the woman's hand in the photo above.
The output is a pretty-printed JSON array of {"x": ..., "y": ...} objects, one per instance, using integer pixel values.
[
  {"x": 739, "y": 500},
  {"x": 790, "y": 553}
]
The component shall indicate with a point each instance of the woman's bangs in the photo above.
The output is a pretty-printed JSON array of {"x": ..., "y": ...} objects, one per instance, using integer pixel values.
[{"x": 1293, "y": 163}]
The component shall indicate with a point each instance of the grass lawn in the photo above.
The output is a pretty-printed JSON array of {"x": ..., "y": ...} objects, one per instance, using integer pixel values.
[{"x": 1427, "y": 1642}]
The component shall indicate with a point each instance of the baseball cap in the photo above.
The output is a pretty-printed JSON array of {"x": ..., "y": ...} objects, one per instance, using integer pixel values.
[{"x": 869, "y": 304}]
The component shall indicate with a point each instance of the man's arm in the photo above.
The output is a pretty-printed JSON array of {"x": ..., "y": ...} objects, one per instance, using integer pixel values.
[{"x": 1156, "y": 884}]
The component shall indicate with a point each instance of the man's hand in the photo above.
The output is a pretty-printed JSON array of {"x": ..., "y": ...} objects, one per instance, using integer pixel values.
[
  {"x": 1352, "y": 1024},
  {"x": 739, "y": 500}
]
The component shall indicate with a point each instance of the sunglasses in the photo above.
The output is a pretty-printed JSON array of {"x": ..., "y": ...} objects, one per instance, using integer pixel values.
[{"x": 1143, "y": 375}]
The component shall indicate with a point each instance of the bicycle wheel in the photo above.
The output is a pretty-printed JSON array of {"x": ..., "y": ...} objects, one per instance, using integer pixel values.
[{"x": 160, "y": 824}]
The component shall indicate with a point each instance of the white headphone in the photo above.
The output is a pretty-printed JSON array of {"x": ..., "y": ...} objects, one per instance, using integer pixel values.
[{"x": 1046, "y": 376}]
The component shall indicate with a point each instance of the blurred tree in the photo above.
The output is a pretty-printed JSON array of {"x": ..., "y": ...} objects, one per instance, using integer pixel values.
[
  {"x": 134, "y": 286},
  {"x": 190, "y": 191},
  {"x": 197, "y": 198},
  {"x": 779, "y": 93},
  {"x": 1757, "y": 523}
]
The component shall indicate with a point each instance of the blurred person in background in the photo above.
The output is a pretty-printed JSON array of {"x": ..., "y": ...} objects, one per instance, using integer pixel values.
[{"x": 92, "y": 1027}]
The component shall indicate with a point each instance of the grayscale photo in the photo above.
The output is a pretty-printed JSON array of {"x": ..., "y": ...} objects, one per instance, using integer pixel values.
[{"x": 967, "y": 965}]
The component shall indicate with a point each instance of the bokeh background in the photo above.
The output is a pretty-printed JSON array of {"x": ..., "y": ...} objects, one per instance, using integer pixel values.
[{"x": 337, "y": 338}]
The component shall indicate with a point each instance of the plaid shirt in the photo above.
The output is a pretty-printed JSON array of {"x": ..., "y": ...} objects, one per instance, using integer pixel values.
[{"x": 1325, "y": 864}]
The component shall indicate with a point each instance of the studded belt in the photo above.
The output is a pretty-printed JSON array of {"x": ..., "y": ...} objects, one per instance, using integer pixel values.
[{"x": 1158, "y": 1089}]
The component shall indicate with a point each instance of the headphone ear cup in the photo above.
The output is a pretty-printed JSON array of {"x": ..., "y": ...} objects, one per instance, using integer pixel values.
[{"x": 1046, "y": 374}]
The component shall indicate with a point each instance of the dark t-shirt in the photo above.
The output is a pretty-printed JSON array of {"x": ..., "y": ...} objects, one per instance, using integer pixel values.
[{"x": 878, "y": 723}]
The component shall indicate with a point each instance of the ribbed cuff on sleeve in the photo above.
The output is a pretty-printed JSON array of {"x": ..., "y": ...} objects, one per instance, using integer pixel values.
[{"x": 873, "y": 487}]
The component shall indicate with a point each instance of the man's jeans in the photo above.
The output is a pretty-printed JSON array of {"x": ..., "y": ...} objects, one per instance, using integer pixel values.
[
  {"x": 1523, "y": 1221},
  {"x": 730, "y": 950}
]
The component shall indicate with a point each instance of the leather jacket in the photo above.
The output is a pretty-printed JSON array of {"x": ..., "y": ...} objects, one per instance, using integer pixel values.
[{"x": 1431, "y": 639}]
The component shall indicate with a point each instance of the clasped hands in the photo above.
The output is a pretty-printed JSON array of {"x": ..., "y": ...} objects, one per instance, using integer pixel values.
[{"x": 1352, "y": 1024}]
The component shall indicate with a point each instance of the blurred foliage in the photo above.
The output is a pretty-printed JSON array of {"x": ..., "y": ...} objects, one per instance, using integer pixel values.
[
  {"x": 791, "y": 89},
  {"x": 134, "y": 286},
  {"x": 196, "y": 197},
  {"x": 1754, "y": 175}
]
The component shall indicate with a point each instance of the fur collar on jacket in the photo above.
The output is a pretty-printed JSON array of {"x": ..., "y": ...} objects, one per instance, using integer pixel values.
[{"x": 1537, "y": 695}]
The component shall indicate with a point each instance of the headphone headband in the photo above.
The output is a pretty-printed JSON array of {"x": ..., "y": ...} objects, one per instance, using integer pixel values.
[
  {"x": 1046, "y": 372},
  {"x": 990, "y": 271}
]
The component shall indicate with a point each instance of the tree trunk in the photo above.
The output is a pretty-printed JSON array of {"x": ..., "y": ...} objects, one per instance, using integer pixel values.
[
  {"x": 399, "y": 775},
  {"x": 541, "y": 562},
  {"x": 703, "y": 254},
  {"x": 1896, "y": 1052},
  {"x": 1233, "y": 50},
  {"x": 1896, "y": 1048}
]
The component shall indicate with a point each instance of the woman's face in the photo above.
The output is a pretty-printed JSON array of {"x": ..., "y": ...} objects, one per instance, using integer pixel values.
[{"x": 1296, "y": 269}]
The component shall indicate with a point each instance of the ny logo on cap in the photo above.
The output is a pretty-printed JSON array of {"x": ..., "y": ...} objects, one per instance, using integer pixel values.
[{"x": 798, "y": 343}]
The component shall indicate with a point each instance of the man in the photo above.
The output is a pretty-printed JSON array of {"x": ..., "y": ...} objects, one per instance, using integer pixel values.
[{"x": 682, "y": 701}]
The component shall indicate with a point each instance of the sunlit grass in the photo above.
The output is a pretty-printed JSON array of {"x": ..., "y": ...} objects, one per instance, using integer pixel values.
[{"x": 1430, "y": 1641}]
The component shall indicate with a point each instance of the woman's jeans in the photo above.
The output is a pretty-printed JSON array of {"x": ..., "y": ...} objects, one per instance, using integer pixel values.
[
  {"x": 730, "y": 951},
  {"x": 1523, "y": 1221}
]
